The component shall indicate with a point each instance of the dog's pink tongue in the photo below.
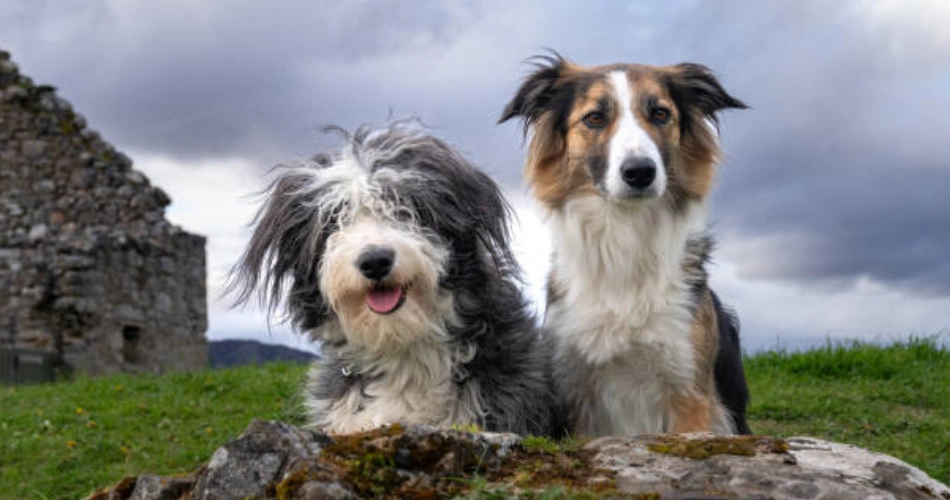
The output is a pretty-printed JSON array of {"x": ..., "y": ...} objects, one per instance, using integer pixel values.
[{"x": 384, "y": 300}]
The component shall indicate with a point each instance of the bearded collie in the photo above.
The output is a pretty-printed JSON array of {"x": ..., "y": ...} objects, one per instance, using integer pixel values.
[{"x": 393, "y": 252}]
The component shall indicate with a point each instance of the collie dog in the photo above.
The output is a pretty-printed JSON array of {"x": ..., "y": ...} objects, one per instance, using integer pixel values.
[
  {"x": 622, "y": 158},
  {"x": 393, "y": 253}
]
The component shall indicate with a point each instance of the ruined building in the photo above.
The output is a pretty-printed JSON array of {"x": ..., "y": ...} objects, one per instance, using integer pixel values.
[{"x": 90, "y": 271}]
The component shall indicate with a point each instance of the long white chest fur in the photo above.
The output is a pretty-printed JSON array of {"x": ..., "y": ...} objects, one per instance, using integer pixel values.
[
  {"x": 622, "y": 313},
  {"x": 417, "y": 386}
]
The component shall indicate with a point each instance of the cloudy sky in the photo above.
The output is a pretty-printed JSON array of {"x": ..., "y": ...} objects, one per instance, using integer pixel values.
[{"x": 833, "y": 207}]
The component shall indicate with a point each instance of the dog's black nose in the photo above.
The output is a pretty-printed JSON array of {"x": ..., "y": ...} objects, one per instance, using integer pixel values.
[
  {"x": 376, "y": 262},
  {"x": 638, "y": 173}
]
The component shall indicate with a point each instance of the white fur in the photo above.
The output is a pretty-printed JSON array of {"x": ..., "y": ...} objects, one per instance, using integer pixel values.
[
  {"x": 354, "y": 191},
  {"x": 625, "y": 311},
  {"x": 407, "y": 356},
  {"x": 410, "y": 386},
  {"x": 629, "y": 140},
  {"x": 417, "y": 266}
]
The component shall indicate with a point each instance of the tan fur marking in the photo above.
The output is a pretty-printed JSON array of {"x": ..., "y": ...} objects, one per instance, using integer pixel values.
[
  {"x": 551, "y": 180},
  {"x": 543, "y": 168},
  {"x": 693, "y": 411},
  {"x": 556, "y": 166},
  {"x": 705, "y": 335},
  {"x": 698, "y": 149},
  {"x": 699, "y": 153}
]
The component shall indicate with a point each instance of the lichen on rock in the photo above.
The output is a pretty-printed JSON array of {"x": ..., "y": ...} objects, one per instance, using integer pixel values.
[
  {"x": 700, "y": 447},
  {"x": 280, "y": 461}
]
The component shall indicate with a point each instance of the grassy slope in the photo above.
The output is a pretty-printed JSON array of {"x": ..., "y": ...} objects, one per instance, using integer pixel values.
[
  {"x": 64, "y": 440},
  {"x": 894, "y": 399}
]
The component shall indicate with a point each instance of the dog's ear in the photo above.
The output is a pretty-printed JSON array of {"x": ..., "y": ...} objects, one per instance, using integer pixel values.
[
  {"x": 538, "y": 91},
  {"x": 494, "y": 216},
  {"x": 700, "y": 97},
  {"x": 695, "y": 87},
  {"x": 286, "y": 247}
]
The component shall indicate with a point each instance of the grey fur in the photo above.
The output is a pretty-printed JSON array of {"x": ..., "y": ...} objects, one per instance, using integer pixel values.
[{"x": 457, "y": 207}]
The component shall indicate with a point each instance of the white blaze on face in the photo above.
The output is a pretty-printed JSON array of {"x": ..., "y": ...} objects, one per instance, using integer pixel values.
[{"x": 630, "y": 140}]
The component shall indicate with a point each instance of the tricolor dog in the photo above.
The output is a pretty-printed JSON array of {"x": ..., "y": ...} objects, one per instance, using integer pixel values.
[{"x": 622, "y": 158}]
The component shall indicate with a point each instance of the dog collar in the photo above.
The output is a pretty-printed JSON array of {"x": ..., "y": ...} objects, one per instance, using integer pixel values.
[{"x": 348, "y": 370}]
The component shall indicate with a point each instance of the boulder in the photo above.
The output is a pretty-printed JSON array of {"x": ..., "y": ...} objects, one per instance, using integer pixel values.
[{"x": 276, "y": 460}]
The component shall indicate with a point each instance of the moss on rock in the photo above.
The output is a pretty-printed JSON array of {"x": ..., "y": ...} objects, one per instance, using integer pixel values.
[{"x": 699, "y": 448}]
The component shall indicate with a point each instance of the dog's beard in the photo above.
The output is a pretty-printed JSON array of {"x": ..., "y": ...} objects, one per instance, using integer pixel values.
[
  {"x": 421, "y": 318},
  {"x": 393, "y": 313}
]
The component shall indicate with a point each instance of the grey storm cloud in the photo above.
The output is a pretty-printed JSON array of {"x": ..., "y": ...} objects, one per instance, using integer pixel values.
[
  {"x": 207, "y": 79},
  {"x": 838, "y": 173}
]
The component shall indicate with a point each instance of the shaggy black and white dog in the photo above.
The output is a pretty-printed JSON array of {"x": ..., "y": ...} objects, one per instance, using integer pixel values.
[{"x": 393, "y": 252}]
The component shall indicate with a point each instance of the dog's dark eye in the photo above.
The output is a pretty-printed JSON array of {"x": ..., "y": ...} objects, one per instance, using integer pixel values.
[
  {"x": 595, "y": 119},
  {"x": 659, "y": 116}
]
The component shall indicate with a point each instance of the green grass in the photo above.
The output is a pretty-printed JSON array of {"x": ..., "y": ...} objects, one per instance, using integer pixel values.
[
  {"x": 66, "y": 439},
  {"x": 549, "y": 445},
  {"x": 893, "y": 399}
]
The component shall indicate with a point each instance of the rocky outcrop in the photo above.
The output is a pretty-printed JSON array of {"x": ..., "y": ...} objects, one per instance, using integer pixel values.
[
  {"x": 90, "y": 269},
  {"x": 276, "y": 460}
]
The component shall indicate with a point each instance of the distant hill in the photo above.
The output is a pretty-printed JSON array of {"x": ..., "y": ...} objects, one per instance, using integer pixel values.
[{"x": 228, "y": 353}]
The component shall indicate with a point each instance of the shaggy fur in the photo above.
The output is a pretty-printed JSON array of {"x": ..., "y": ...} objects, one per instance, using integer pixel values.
[
  {"x": 393, "y": 252},
  {"x": 622, "y": 158}
]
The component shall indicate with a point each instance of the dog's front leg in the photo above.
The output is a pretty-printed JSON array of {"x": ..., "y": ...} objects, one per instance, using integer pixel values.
[{"x": 691, "y": 412}]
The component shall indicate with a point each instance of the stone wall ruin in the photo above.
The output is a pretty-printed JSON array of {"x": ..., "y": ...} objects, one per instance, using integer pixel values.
[{"x": 89, "y": 267}]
